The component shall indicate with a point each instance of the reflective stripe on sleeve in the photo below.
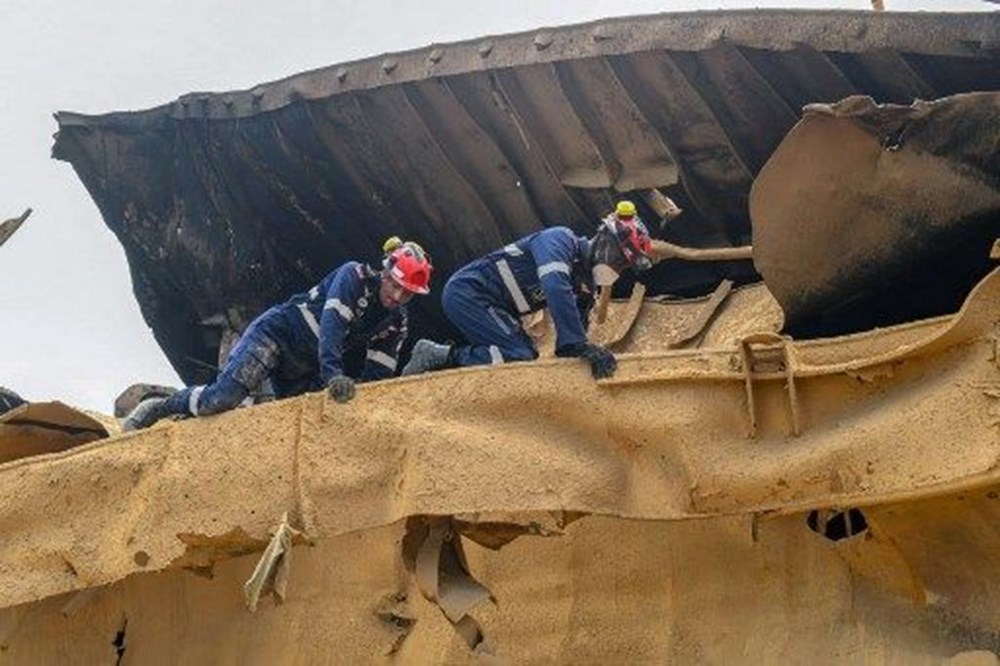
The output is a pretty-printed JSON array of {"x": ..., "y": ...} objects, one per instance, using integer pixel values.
[
  {"x": 553, "y": 267},
  {"x": 342, "y": 310},
  {"x": 193, "y": 399}
]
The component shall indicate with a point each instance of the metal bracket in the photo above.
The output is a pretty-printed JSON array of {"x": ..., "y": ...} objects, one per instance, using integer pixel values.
[{"x": 750, "y": 360}]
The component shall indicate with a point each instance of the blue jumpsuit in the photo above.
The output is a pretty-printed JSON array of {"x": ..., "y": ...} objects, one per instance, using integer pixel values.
[
  {"x": 300, "y": 345},
  {"x": 484, "y": 299}
]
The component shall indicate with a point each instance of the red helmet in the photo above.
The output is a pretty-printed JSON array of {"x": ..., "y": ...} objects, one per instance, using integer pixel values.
[{"x": 410, "y": 267}]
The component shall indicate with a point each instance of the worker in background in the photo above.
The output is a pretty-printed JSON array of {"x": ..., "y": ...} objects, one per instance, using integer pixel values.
[
  {"x": 551, "y": 268},
  {"x": 301, "y": 345}
]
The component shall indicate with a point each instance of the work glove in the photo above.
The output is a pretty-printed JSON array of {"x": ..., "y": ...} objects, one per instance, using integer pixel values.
[
  {"x": 602, "y": 362},
  {"x": 341, "y": 388}
]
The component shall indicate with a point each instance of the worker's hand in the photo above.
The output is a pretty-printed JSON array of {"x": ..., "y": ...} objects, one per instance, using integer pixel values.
[
  {"x": 602, "y": 362},
  {"x": 341, "y": 388}
]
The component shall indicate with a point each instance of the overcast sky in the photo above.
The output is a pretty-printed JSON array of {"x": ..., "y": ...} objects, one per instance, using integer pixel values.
[{"x": 71, "y": 327}]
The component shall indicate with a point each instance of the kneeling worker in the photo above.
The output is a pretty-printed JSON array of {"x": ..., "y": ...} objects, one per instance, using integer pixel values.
[
  {"x": 300, "y": 345},
  {"x": 551, "y": 268}
]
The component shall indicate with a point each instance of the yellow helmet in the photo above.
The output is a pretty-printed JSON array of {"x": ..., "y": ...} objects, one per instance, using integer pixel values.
[
  {"x": 625, "y": 209},
  {"x": 391, "y": 243}
]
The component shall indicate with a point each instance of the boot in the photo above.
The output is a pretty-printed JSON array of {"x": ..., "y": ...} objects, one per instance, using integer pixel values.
[
  {"x": 146, "y": 413},
  {"x": 428, "y": 355}
]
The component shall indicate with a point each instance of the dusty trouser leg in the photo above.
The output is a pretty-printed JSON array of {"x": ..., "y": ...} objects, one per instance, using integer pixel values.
[
  {"x": 249, "y": 364},
  {"x": 251, "y": 361},
  {"x": 496, "y": 335}
]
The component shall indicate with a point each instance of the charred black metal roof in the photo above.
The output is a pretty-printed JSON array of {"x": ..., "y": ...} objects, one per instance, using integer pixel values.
[{"x": 228, "y": 202}]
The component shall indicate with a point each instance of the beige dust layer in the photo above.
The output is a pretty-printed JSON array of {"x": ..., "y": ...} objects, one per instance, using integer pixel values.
[
  {"x": 907, "y": 413},
  {"x": 607, "y": 590},
  {"x": 660, "y": 324}
]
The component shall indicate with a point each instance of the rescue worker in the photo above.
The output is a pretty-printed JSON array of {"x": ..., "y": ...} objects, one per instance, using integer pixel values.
[
  {"x": 301, "y": 345},
  {"x": 551, "y": 268}
]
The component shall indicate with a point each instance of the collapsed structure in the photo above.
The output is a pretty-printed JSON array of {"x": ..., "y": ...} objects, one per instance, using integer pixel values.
[
  {"x": 226, "y": 203},
  {"x": 730, "y": 494}
]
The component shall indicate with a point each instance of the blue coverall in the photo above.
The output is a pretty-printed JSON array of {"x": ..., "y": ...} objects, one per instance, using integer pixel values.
[
  {"x": 485, "y": 298},
  {"x": 300, "y": 345}
]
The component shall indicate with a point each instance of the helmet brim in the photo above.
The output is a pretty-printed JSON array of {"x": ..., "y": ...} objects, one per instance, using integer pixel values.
[
  {"x": 421, "y": 291},
  {"x": 410, "y": 287}
]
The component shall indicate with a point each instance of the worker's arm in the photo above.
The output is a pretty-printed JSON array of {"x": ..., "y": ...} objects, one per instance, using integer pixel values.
[
  {"x": 554, "y": 251},
  {"x": 338, "y": 313},
  {"x": 383, "y": 353}
]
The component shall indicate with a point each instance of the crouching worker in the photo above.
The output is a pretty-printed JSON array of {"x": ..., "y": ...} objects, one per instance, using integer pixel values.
[
  {"x": 553, "y": 267},
  {"x": 301, "y": 345}
]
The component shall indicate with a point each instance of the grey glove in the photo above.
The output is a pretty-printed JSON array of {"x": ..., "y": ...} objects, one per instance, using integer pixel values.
[
  {"x": 341, "y": 388},
  {"x": 602, "y": 362}
]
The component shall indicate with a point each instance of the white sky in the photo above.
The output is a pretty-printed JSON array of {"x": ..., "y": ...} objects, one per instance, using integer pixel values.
[{"x": 71, "y": 328}]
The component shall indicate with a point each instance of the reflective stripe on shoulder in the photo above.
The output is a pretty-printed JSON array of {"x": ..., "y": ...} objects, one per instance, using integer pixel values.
[
  {"x": 309, "y": 319},
  {"x": 513, "y": 250},
  {"x": 553, "y": 267},
  {"x": 314, "y": 293},
  {"x": 520, "y": 302},
  {"x": 382, "y": 359},
  {"x": 342, "y": 310}
]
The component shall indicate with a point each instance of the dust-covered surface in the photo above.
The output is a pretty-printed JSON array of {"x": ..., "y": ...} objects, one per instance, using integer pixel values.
[
  {"x": 666, "y": 438},
  {"x": 660, "y": 324},
  {"x": 868, "y": 215},
  {"x": 45, "y": 427},
  {"x": 908, "y": 589},
  {"x": 686, "y": 509}
]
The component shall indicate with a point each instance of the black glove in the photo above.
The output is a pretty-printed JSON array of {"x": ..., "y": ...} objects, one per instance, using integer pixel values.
[
  {"x": 602, "y": 362},
  {"x": 341, "y": 388}
]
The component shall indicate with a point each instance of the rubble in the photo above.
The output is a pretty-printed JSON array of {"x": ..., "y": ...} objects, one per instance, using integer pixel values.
[{"x": 732, "y": 494}]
